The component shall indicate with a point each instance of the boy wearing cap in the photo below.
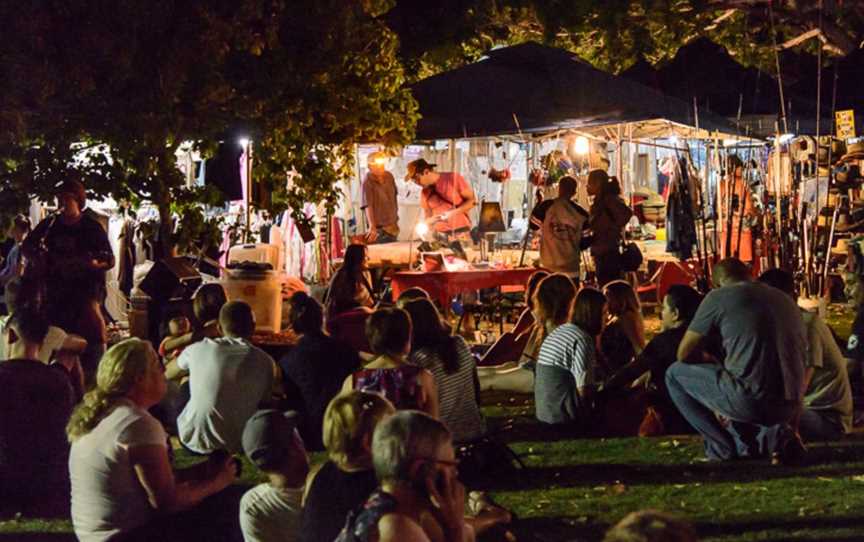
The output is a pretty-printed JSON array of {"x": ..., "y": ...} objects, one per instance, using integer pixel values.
[
  {"x": 446, "y": 197},
  {"x": 272, "y": 511},
  {"x": 380, "y": 201}
]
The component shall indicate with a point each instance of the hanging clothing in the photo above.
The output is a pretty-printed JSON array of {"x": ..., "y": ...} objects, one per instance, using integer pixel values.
[{"x": 680, "y": 218}]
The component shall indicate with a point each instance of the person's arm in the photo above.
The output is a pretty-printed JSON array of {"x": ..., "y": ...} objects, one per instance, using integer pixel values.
[
  {"x": 348, "y": 384},
  {"x": 372, "y": 234},
  {"x": 11, "y": 267},
  {"x": 177, "y": 368},
  {"x": 429, "y": 401},
  {"x": 74, "y": 344},
  {"x": 469, "y": 200},
  {"x": 630, "y": 372},
  {"x": 691, "y": 341},
  {"x": 165, "y": 494},
  {"x": 634, "y": 330}
]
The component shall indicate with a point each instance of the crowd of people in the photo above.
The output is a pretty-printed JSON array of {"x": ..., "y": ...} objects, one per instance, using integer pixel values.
[{"x": 394, "y": 406}]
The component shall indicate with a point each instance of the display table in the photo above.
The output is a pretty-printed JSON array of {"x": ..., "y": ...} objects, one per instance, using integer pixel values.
[{"x": 444, "y": 285}]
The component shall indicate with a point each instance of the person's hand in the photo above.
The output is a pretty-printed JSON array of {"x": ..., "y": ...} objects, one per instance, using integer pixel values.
[
  {"x": 448, "y": 494},
  {"x": 445, "y": 216},
  {"x": 224, "y": 467},
  {"x": 372, "y": 235}
]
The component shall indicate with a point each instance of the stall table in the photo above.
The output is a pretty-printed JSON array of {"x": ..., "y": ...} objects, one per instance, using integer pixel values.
[{"x": 443, "y": 285}]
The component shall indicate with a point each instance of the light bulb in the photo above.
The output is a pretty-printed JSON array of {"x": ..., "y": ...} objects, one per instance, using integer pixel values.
[
  {"x": 421, "y": 229},
  {"x": 581, "y": 145}
]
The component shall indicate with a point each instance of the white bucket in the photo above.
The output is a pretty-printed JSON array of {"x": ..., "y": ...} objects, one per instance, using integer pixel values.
[{"x": 262, "y": 290}]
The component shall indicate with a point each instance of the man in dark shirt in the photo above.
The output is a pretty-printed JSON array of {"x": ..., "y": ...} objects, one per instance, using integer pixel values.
[
  {"x": 35, "y": 406},
  {"x": 72, "y": 254},
  {"x": 679, "y": 307},
  {"x": 314, "y": 369}
]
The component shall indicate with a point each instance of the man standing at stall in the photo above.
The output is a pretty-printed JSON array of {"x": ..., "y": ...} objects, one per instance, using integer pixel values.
[
  {"x": 446, "y": 198},
  {"x": 380, "y": 201},
  {"x": 563, "y": 222},
  {"x": 69, "y": 255}
]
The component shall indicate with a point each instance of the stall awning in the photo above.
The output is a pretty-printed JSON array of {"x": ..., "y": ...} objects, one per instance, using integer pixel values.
[{"x": 538, "y": 90}]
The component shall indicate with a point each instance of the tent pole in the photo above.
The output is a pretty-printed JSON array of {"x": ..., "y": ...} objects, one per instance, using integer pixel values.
[{"x": 619, "y": 166}]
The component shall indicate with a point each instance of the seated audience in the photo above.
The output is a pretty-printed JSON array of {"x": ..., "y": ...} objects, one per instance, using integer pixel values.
[
  {"x": 678, "y": 308},
  {"x": 650, "y": 526},
  {"x": 758, "y": 388},
  {"x": 448, "y": 359},
  {"x": 271, "y": 512},
  {"x": 315, "y": 368},
  {"x": 410, "y": 294},
  {"x": 854, "y": 289},
  {"x": 517, "y": 348},
  {"x": 827, "y": 413},
  {"x": 351, "y": 286},
  {"x": 419, "y": 497},
  {"x": 56, "y": 340},
  {"x": 349, "y": 422},
  {"x": 389, "y": 373},
  {"x": 623, "y": 337},
  {"x": 565, "y": 368},
  {"x": 206, "y": 304},
  {"x": 35, "y": 405},
  {"x": 229, "y": 378},
  {"x": 123, "y": 485}
]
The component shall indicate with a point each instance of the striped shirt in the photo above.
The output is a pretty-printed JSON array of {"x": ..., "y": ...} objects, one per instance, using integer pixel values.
[
  {"x": 457, "y": 396},
  {"x": 565, "y": 365}
]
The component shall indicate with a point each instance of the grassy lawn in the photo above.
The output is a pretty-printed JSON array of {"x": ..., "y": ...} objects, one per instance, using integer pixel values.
[{"x": 575, "y": 489}]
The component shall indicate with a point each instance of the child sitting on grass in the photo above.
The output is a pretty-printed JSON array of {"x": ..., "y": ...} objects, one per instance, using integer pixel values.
[
  {"x": 177, "y": 327},
  {"x": 272, "y": 511}
]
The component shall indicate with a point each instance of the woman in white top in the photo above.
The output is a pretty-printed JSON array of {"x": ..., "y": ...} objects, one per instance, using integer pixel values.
[{"x": 121, "y": 474}]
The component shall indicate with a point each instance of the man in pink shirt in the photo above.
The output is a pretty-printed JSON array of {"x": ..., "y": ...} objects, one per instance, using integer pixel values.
[{"x": 446, "y": 198}]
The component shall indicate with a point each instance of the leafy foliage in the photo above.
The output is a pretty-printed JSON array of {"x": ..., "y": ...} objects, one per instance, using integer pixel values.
[{"x": 306, "y": 80}]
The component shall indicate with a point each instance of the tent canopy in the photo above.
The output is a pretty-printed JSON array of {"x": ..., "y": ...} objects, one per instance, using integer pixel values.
[{"x": 535, "y": 89}]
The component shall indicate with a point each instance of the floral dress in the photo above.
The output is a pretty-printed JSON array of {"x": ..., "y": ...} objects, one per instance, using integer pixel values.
[
  {"x": 400, "y": 385},
  {"x": 362, "y": 523}
]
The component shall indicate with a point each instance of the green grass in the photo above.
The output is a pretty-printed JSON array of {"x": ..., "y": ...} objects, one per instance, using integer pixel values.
[{"x": 574, "y": 489}]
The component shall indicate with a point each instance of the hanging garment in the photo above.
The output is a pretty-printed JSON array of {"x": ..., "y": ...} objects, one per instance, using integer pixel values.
[{"x": 680, "y": 220}]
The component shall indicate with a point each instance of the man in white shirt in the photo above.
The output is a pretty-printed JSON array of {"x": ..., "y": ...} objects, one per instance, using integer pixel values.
[
  {"x": 228, "y": 379},
  {"x": 562, "y": 227}
]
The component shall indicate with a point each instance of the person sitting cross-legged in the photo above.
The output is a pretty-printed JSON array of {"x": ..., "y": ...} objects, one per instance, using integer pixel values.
[
  {"x": 758, "y": 388},
  {"x": 229, "y": 378},
  {"x": 827, "y": 412},
  {"x": 271, "y": 512}
]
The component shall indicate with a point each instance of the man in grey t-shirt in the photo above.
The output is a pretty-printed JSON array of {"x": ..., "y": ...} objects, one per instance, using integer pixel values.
[{"x": 758, "y": 388}]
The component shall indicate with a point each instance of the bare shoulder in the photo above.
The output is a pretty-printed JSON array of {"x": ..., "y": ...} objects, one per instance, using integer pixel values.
[{"x": 400, "y": 528}]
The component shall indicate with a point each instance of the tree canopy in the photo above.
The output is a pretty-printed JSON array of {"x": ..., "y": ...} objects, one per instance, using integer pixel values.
[{"x": 306, "y": 80}]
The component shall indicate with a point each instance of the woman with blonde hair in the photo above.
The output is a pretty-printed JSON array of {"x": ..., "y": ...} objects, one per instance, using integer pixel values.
[
  {"x": 623, "y": 337},
  {"x": 345, "y": 481},
  {"x": 121, "y": 474}
]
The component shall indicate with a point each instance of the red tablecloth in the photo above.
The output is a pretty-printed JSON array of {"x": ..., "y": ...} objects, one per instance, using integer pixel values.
[{"x": 443, "y": 285}]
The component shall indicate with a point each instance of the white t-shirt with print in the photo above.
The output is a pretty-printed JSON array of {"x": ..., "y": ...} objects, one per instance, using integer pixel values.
[{"x": 107, "y": 497}]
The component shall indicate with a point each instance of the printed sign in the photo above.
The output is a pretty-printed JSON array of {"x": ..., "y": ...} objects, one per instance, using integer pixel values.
[{"x": 845, "y": 124}]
